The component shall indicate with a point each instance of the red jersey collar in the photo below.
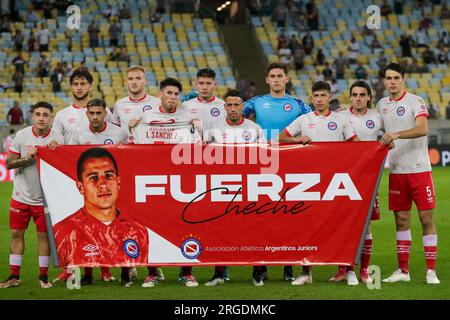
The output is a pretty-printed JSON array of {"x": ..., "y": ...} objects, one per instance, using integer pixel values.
[
  {"x": 137, "y": 100},
  {"x": 351, "y": 110},
  {"x": 206, "y": 101},
  {"x": 75, "y": 106},
  {"x": 235, "y": 124},
  {"x": 95, "y": 220},
  {"x": 399, "y": 98},
  {"x": 103, "y": 129},
  {"x": 325, "y": 115},
  {"x": 38, "y": 136},
  {"x": 162, "y": 110}
]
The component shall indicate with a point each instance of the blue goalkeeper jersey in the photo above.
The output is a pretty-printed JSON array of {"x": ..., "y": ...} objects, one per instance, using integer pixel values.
[{"x": 275, "y": 114}]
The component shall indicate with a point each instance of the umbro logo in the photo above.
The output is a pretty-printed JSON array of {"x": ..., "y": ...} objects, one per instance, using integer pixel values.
[{"x": 90, "y": 247}]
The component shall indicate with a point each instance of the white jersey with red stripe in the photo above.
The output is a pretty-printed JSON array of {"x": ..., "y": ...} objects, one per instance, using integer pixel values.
[
  {"x": 246, "y": 131},
  {"x": 166, "y": 128},
  {"x": 367, "y": 125},
  {"x": 409, "y": 155},
  {"x": 330, "y": 127},
  {"x": 27, "y": 188},
  {"x": 110, "y": 134},
  {"x": 128, "y": 108},
  {"x": 208, "y": 112},
  {"x": 71, "y": 118}
]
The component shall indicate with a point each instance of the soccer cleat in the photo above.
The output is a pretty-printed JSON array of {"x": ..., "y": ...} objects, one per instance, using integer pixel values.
[
  {"x": 398, "y": 275},
  {"x": 340, "y": 275},
  {"x": 11, "y": 282},
  {"x": 107, "y": 276},
  {"x": 63, "y": 276},
  {"x": 150, "y": 282},
  {"x": 288, "y": 274},
  {"x": 304, "y": 278},
  {"x": 87, "y": 280},
  {"x": 432, "y": 277},
  {"x": 126, "y": 281},
  {"x": 188, "y": 281},
  {"x": 133, "y": 273},
  {"x": 351, "y": 279},
  {"x": 215, "y": 280},
  {"x": 44, "y": 283},
  {"x": 365, "y": 277},
  {"x": 160, "y": 274},
  {"x": 257, "y": 281}
]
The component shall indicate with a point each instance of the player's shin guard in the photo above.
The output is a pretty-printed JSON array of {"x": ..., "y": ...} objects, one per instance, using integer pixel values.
[
  {"x": 430, "y": 248},
  {"x": 44, "y": 262},
  {"x": 185, "y": 271},
  {"x": 403, "y": 249},
  {"x": 366, "y": 251},
  {"x": 15, "y": 262}
]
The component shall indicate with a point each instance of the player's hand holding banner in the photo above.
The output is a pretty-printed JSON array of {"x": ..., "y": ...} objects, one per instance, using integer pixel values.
[{"x": 211, "y": 205}]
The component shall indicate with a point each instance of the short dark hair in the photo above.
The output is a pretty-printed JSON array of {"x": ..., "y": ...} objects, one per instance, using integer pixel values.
[
  {"x": 321, "y": 86},
  {"x": 233, "y": 93},
  {"x": 365, "y": 85},
  {"x": 96, "y": 103},
  {"x": 41, "y": 104},
  {"x": 81, "y": 73},
  {"x": 395, "y": 67},
  {"x": 276, "y": 65},
  {"x": 170, "y": 82},
  {"x": 206, "y": 73},
  {"x": 94, "y": 153}
]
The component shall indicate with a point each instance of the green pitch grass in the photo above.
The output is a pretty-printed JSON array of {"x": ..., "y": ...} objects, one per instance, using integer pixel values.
[{"x": 240, "y": 286}]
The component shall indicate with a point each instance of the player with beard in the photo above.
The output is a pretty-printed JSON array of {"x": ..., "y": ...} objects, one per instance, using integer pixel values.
[{"x": 69, "y": 120}]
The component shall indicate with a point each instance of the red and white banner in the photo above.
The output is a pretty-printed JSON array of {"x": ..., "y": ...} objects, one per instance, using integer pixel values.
[
  {"x": 5, "y": 174},
  {"x": 218, "y": 205}
]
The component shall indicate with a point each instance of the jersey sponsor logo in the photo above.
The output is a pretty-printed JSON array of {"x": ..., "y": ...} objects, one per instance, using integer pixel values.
[
  {"x": 108, "y": 141},
  {"x": 91, "y": 250},
  {"x": 246, "y": 135},
  {"x": 400, "y": 111},
  {"x": 311, "y": 125},
  {"x": 332, "y": 125},
  {"x": 191, "y": 248},
  {"x": 131, "y": 248},
  {"x": 147, "y": 108},
  {"x": 215, "y": 112},
  {"x": 127, "y": 110},
  {"x": 71, "y": 120},
  {"x": 287, "y": 107},
  {"x": 370, "y": 124}
]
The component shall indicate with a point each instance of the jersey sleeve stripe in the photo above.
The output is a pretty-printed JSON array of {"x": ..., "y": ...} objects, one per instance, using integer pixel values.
[
  {"x": 352, "y": 138},
  {"x": 423, "y": 115},
  {"x": 14, "y": 152},
  {"x": 287, "y": 132}
]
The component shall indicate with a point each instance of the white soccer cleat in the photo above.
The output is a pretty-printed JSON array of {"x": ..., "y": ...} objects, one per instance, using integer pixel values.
[
  {"x": 150, "y": 282},
  {"x": 257, "y": 283},
  {"x": 352, "y": 280},
  {"x": 304, "y": 278},
  {"x": 397, "y": 276},
  {"x": 432, "y": 277},
  {"x": 214, "y": 282}
]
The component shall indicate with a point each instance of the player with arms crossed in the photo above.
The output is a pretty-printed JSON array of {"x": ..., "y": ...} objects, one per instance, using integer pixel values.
[
  {"x": 27, "y": 201},
  {"x": 367, "y": 124},
  {"x": 320, "y": 125},
  {"x": 273, "y": 112},
  {"x": 410, "y": 179}
]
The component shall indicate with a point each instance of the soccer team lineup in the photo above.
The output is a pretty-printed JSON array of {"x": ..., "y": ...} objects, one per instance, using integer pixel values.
[{"x": 148, "y": 154}]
